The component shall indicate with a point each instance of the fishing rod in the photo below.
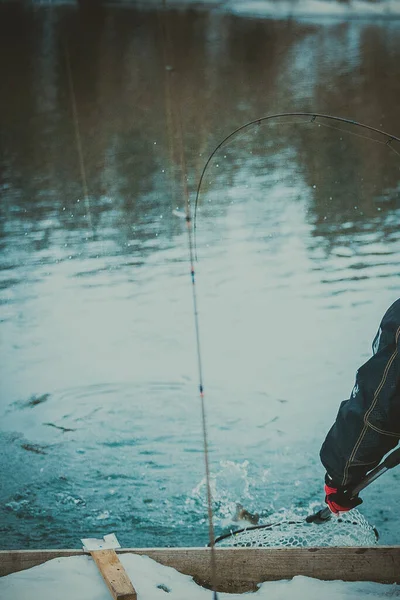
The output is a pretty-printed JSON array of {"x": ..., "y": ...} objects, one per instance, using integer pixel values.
[
  {"x": 388, "y": 140},
  {"x": 174, "y": 118}
]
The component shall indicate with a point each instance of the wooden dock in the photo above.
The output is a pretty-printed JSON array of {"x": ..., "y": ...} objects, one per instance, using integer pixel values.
[{"x": 240, "y": 569}]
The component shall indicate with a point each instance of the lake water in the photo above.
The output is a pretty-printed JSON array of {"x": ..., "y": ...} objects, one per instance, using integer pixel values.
[{"x": 298, "y": 245}]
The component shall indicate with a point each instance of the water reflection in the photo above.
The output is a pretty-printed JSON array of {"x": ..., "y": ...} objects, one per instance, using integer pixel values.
[
  {"x": 127, "y": 164},
  {"x": 297, "y": 232}
]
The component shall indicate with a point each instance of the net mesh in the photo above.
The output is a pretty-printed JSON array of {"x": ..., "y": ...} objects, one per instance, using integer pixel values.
[{"x": 351, "y": 529}]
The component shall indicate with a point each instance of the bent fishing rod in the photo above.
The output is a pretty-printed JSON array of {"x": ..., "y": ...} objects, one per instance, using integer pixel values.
[{"x": 319, "y": 118}]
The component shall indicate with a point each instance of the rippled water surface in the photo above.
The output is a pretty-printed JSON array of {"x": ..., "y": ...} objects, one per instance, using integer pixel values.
[{"x": 298, "y": 242}]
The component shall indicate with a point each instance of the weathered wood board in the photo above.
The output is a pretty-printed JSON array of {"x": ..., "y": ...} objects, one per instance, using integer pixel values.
[
  {"x": 114, "y": 574},
  {"x": 240, "y": 569}
]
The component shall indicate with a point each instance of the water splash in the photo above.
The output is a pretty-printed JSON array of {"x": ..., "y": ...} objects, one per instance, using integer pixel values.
[{"x": 230, "y": 486}]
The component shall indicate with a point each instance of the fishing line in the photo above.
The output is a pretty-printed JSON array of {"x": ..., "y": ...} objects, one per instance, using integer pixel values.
[
  {"x": 389, "y": 145},
  {"x": 314, "y": 118},
  {"x": 168, "y": 100},
  {"x": 172, "y": 102},
  {"x": 78, "y": 135},
  {"x": 364, "y": 137}
]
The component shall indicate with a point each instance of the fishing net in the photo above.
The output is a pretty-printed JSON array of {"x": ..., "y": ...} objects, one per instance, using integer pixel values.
[{"x": 350, "y": 529}]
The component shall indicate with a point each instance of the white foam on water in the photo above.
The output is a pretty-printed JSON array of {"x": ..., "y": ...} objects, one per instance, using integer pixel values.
[
  {"x": 78, "y": 577},
  {"x": 230, "y": 486},
  {"x": 314, "y": 8},
  {"x": 269, "y": 8}
]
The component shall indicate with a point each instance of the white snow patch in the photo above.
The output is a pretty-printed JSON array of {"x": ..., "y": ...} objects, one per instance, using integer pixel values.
[{"x": 77, "y": 577}]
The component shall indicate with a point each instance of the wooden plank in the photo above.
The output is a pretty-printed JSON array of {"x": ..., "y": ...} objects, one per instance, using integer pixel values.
[
  {"x": 114, "y": 574},
  {"x": 240, "y": 569}
]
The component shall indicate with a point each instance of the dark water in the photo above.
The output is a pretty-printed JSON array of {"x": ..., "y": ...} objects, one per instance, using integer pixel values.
[{"x": 299, "y": 249}]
